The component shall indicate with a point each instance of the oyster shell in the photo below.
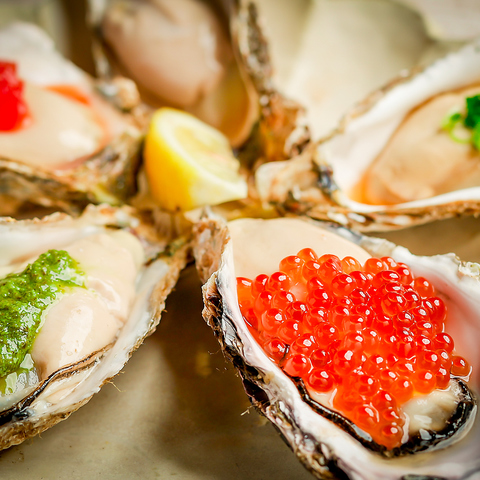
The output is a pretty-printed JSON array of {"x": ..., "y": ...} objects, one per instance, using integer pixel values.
[
  {"x": 454, "y": 21},
  {"x": 328, "y": 182},
  {"x": 214, "y": 63},
  {"x": 63, "y": 380},
  {"x": 88, "y": 153},
  {"x": 320, "y": 439}
]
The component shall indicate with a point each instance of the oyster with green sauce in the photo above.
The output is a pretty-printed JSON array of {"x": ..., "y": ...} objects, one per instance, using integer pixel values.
[
  {"x": 408, "y": 154},
  {"x": 78, "y": 297},
  {"x": 64, "y": 145},
  {"x": 349, "y": 406}
]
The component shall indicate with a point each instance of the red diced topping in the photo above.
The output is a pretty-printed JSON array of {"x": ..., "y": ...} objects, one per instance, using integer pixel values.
[
  {"x": 372, "y": 337},
  {"x": 12, "y": 105}
]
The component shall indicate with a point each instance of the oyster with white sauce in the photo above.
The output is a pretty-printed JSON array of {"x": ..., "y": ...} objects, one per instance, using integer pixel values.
[
  {"x": 408, "y": 154},
  {"x": 79, "y": 296},
  {"x": 208, "y": 58},
  {"x": 439, "y": 434},
  {"x": 69, "y": 146}
]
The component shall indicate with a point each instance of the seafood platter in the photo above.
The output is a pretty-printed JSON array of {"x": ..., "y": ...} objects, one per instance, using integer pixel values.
[{"x": 224, "y": 224}]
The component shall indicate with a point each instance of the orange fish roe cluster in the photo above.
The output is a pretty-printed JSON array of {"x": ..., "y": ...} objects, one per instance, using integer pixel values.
[{"x": 372, "y": 335}]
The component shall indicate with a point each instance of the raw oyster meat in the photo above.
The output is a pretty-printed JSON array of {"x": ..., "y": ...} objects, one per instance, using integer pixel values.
[
  {"x": 318, "y": 435},
  {"x": 88, "y": 332},
  {"x": 392, "y": 162},
  {"x": 209, "y": 58},
  {"x": 74, "y": 147}
]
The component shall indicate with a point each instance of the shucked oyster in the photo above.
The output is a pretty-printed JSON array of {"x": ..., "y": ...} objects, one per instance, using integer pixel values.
[
  {"x": 79, "y": 295},
  {"x": 70, "y": 147},
  {"x": 405, "y": 155},
  {"x": 208, "y": 58},
  {"x": 440, "y": 429}
]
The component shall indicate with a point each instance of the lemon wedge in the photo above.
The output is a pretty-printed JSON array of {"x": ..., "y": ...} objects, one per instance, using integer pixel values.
[{"x": 188, "y": 163}]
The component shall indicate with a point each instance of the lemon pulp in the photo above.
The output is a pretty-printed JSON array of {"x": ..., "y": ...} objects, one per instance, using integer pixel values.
[{"x": 188, "y": 163}]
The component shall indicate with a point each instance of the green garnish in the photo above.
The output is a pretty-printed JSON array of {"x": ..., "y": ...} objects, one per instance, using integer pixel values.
[
  {"x": 472, "y": 120},
  {"x": 25, "y": 296},
  {"x": 465, "y": 128}
]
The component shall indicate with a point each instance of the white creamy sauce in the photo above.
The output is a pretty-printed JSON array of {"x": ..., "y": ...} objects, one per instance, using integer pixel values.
[
  {"x": 59, "y": 130},
  {"x": 83, "y": 320}
]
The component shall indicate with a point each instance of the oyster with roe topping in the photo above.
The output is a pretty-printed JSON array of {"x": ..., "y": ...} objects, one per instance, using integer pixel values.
[
  {"x": 78, "y": 297},
  {"x": 361, "y": 354},
  {"x": 408, "y": 154},
  {"x": 62, "y": 144}
]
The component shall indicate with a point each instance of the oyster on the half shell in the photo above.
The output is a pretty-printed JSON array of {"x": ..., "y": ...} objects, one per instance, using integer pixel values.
[
  {"x": 74, "y": 147},
  {"x": 208, "y": 58},
  {"x": 88, "y": 332},
  {"x": 391, "y": 163},
  {"x": 324, "y": 440}
]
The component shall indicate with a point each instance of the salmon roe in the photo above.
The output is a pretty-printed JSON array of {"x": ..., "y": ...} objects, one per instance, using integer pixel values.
[{"x": 371, "y": 337}]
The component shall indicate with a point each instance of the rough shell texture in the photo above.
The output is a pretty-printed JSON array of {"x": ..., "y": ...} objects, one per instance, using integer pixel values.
[
  {"x": 325, "y": 449},
  {"x": 325, "y": 173},
  {"x": 66, "y": 390},
  {"x": 108, "y": 176}
]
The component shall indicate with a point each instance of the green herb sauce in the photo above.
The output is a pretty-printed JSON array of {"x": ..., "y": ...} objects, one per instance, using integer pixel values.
[
  {"x": 470, "y": 123},
  {"x": 23, "y": 299}
]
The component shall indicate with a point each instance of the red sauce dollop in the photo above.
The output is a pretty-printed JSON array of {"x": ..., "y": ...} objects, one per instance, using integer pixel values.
[{"x": 13, "y": 109}]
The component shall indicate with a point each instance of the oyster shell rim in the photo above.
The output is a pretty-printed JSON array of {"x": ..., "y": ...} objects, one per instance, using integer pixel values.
[
  {"x": 317, "y": 456},
  {"x": 334, "y": 204},
  {"x": 20, "y": 422}
]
